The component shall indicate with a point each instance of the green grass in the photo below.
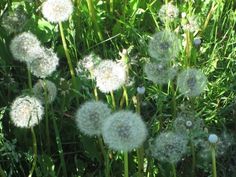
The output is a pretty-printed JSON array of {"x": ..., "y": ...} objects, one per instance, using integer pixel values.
[{"x": 106, "y": 33}]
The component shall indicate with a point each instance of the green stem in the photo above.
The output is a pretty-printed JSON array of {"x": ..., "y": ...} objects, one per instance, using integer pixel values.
[
  {"x": 111, "y": 6},
  {"x": 59, "y": 145},
  {"x": 140, "y": 154},
  {"x": 35, "y": 152},
  {"x": 193, "y": 158},
  {"x": 113, "y": 100},
  {"x": 2, "y": 174},
  {"x": 29, "y": 80},
  {"x": 124, "y": 98},
  {"x": 173, "y": 100},
  {"x": 69, "y": 61},
  {"x": 96, "y": 93},
  {"x": 213, "y": 155},
  {"x": 46, "y": 116},
  {"x": 105, "y": 156},
  {"x": 126, "y": 164},
  {"x": 173, "y": 169},
  {"x": 93, "y": 17}
]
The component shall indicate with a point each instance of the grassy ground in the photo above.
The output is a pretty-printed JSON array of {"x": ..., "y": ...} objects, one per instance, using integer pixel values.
[{"x": 128, "y": 25}]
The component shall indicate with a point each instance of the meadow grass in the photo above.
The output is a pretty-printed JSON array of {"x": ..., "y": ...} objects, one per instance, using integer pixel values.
[{"x": 106, "y": 28}]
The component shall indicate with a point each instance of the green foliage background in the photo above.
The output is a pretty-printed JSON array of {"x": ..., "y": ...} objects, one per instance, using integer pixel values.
[{"x": 128, "y": 27}]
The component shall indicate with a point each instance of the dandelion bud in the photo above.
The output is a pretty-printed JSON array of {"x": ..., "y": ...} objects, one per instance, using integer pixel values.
[
  {"x": 124, "y": 131},
  {"x": 91, "y": 116},
  {"x": 26, "y": 112},
  {"x": 57, "y": 11},
  {"x": 141, "y": 90},
  {"x": 213, "y": 138},
  {"x": 197, "y": 41}
]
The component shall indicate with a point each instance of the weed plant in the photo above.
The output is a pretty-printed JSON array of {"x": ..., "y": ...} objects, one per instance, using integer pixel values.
[{"x": 94, "y": 88}]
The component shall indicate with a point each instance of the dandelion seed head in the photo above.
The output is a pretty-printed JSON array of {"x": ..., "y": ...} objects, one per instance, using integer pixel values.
[
  {"x": 25, "y": 47},
  {"x": 45, "y": 90},
  {"x": 169, "y": 147},
  {"x": 109, "y": 76},
  {"x": 124, "y": 131},
  {"x": 190, "y": 24},
  {"x": 168, "y": 12},
  {"x": 91, "y": 116},
  {"x": 56, "y": 11},
  {"x": 191, "y": 82},
  {"x": 14, "y": 21},
  {"x": 87, "y": 65},
  {"x": 26, "y": 111},
  {"x": 159, "y": 73},
  {"x": 164, "y": 46},
  {"x": 45, "y": 64}
]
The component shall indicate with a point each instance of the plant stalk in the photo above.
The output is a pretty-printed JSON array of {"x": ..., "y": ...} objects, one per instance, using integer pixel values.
[
  {"x": 35, "y": 152},
  {"x": 126, "y": 165},
  {"x": 213, "y": 155}
]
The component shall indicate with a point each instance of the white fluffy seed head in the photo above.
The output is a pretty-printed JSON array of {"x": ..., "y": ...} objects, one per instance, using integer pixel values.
[
  {"x": 124, "y": 131},
  {"x": 191, "y": 82},
  {"x": 159, "y": 73},
  {"x": 109, "y": 75},
  {"x": 190, "y": 24},
  {"x": 164, "y": 46},
  {"x": 90, "y": 117},
  {"x": 45, "y": 90},
  {"x": 26, "y": 111},
  {"x": 14, "y": 21},
  {"x": 213, "y": 138},
  {"x": 169, "y": 147},
  {"x": 56, "y": 11},
  {"x": 25, "y": 47},
  {"x": 168, "y": 12},
  {"x": 45, "y": 64},
  {"x": 87, "y": 64}
]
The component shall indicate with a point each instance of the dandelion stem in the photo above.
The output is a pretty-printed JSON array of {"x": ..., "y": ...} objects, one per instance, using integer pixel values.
[
  {"x": 35, "y": 152},
  {"x": 124, "y": 98},
  {"x": 105, "y": 156},
  {"x": 29, "y": 80},
  {"x": 2, "y": 174},
  {"x": 113, "y": 100},
  {"x": 140, "y": 154},
  {"x": 111, "y": 6},
  {"x": 213, "y": 155},
  {"x": 59, "y": 145},
  {"x": 72, "y": 73},
  {"x": 96, "y": 93},
  {"x": 46, "y": 117},
  {"x": 193, "y": 158},
  {"x": 93, "y": 17},
  {"x": 173, "y": 169},
  {"x": 173, "y": 99},
  {"x": 126, "y": 164},
  {"x": 140, "y": 151}
]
